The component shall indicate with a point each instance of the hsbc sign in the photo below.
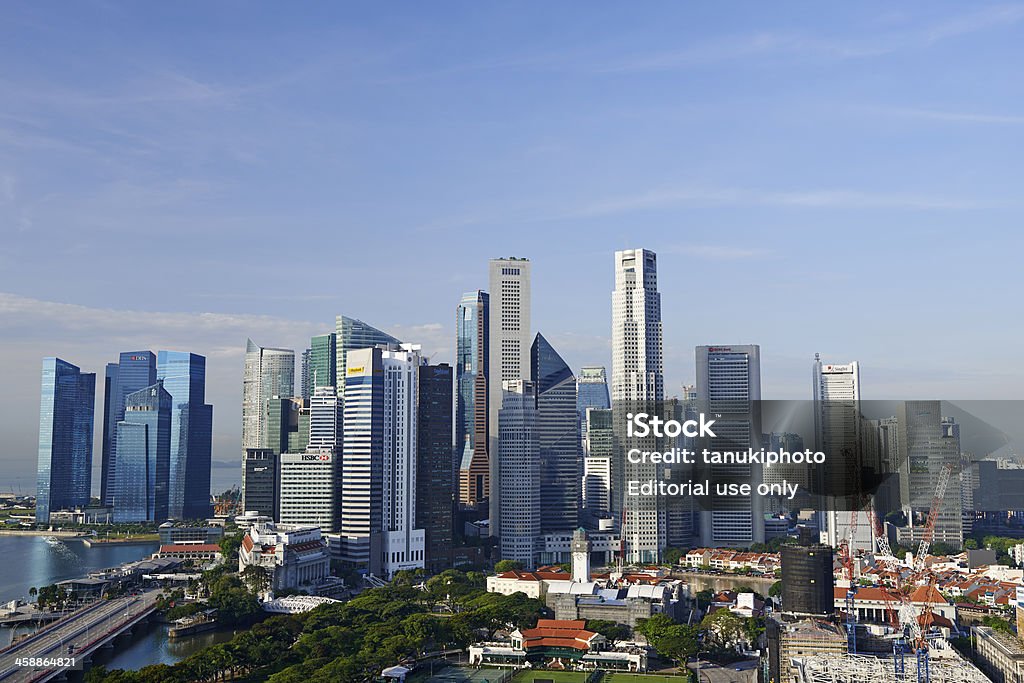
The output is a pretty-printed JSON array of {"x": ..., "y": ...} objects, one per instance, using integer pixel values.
[{"x": 316, "y": 457}]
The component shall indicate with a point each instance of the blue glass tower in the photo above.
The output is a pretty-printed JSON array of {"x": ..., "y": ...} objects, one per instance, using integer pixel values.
[
  {"x": 66, "y": 413},
  {"x": 134, "y": 371},
  {"x": 558, "y": 437},
  {"x": 471, "y": 461},
  {"x": 143, "y": 457},
  {"x": 184, "y": 377}
]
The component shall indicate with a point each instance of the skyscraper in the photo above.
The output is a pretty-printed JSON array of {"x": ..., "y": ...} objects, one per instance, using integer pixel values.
[
  {"x": 471, "y": 418},
  {"x": 66, "y": 413},
  {"x": 508, "y": 355},
  {"x": 309, "y": 493},
  {"x": 729, "y": 385},
  {"x": 558, "y": 438},
  {"x": 305, "y": 374},
  {"x": 354, "y": 334},
  {"x": 184, "y": 377},
  {"x": 378, "y": 523},
  {"x": 837, "y": 427},
  {"x": 637, "y": 386},
  {"x": 597, "y": 463},
  {"x": 268, "y": 372},
  {"x": 928, "y": 443},
  {"x": 324, "y": 419},
  {"x": 135, "y": 370},
  {"x": 519, "y": 459},
  {"x": 285, "y": 431},
  {"x": 261, "y": 480},
  {"x": 323, "y": 361},
  {"x": 434, "y": 485},
  {"x": 591, "y": 392},
  {"x": 144, "y": 457}
]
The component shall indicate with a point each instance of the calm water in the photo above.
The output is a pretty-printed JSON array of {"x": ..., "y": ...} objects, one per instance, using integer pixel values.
[{"x": 32, "y": 561}]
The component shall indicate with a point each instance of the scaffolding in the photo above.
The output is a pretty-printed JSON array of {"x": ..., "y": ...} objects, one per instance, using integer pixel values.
[{"x": 837, "y": 668}]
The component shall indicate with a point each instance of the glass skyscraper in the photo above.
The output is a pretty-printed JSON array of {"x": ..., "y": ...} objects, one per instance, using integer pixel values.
[
  {"x": 558, "y": 437},
  {"x": 434, "y": 498},
  {"x": 323, "y": 361},
  {"x": 66, "y": 414},
  {"x": 144, "y": 457},
  {"x": 269, "y": 372},
  {"x": 471, "y": 424},
  {"x": 134, "y": 370},
  {"x": 184, "y": 377},
  {"x": 355, "y": 334}
]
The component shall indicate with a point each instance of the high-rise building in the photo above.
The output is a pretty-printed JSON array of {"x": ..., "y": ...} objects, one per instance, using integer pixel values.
[
  {"x": 184, "y": 377},
  {"x": 354, "y": 334},
  {"x": 597, "y": 463},
  {"x": 304, "y": 374},
  {"x": 519, "y": 457},
  {"x": 558, "y": 438},
  {"x": 285, "y": 430},
  {"x": 378, "y": 523},
  {"x": 637, "y": 386},
  {"x": 508, "y": 356},
  {"x": 308, "y": 494},
  {"x": 134, "y": 370},
  {"x": 472, "y": 463},
  {"x": 66, "y": 411},
  {"x": 324, "y": 419},
  {"x": 807, "y": 580},
  {"x": 591, "y": 392},
  {"x": 143, "y": 457},
  {"x": 268, "y": 372},
  {"x": 261, "y": 482},
  {"x": 434, "y": 485},
  {"x": 837, "y": 430},
  {"x": 323, "y": 361},
  {"x": 729, "y": 386},
  {"x": 928, "y": 443}
]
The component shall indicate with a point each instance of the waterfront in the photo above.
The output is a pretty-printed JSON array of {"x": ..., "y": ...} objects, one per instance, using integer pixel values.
[{"x": 35, "y": 561}]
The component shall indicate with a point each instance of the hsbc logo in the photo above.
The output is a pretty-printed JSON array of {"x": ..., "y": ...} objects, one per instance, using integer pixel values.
[{"x": 316, "y": 457}]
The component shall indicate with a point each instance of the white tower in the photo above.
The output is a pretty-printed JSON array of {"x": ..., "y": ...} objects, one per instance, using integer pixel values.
[{"x": 580, "y": 556}]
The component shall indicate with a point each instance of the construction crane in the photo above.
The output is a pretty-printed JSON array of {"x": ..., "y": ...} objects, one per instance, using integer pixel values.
[{"x": 933, "y": 515}]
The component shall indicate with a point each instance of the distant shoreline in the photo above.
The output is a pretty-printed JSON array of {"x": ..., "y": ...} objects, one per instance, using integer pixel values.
[{"x": 34, "y": 532}]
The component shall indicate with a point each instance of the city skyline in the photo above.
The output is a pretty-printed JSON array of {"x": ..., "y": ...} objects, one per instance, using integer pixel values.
[{"x": 808, "y": 163}]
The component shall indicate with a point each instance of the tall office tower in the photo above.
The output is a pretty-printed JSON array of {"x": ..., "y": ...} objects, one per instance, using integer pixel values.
[
  {"x": 807, "y": 580},
  {"x": 837, "y": 431},
  {"x": 434, "y": 484},
  {"x": 928, "y": 443},
  {"x": 134, "y": 370},
  {"x": 729, "y": 385},
  {"x": 508, "y": 356},
  {"x": 268, "y": 372},
  {"x": 143, "y": 457},
  {"x": 323, "y": 362},
  {"x": 354, "y": 334},
  {"x": 284, "y": 429},
  {"x": 519, "y": 457},
  {"x": 558, "y": 437},
  {"x": 324, "y": 420},
  {"x": 305, "y": 374},
  {"x": 591, "y": 392},
  {"x": 597, "y": 465},
  {"x": 308, "y": 494},
  {"x": 378, "y": 527},
  {"x": 637, "y": 387},
  {"x": 66, "y": 410},
  {"x": 471, "y": 419},
  {"x": 261, "y": 481},
  {"x": 184, "y": 377}
]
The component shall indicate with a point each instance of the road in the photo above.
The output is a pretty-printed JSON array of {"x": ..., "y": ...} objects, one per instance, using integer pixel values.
[
  {"x": 85, "y": 629},
  {"x": 712, "y": 673}
]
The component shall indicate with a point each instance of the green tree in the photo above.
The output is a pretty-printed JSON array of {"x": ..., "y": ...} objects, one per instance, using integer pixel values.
[
  {"x": 256, "y": 579},
  {"x": 508, "y": 566},
  {"x": 229, "y": 545},
  {"x": 776, "y": 590},
  {"x": 609, "y": 629},
  {"x": 670, "y": 556},
  {"x": 724, "y": 627}
]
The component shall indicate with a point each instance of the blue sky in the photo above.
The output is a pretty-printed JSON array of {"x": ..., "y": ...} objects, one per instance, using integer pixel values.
[{"x": 842, "y": 179}]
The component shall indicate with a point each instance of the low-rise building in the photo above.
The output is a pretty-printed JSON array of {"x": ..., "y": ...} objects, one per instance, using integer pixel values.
[
  {"x": 199, "y": 553},
  {"x": 796, "y": 639},
  {"x": 559, "y": 644},
  {"x": 999, "y": 655},
  {"x": 294, "y": 557},
  {"x": 171, "y": 533}
]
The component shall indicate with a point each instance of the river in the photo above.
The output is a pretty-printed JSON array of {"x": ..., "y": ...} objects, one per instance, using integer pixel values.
[{"x": 34, "y": 561}]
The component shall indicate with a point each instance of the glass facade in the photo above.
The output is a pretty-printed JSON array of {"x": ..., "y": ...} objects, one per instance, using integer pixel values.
[
  {"x": 323, "y": 361},
  {"x": 355, "y": 334},
  {"x": 471, "y": 426},
  {"x": 134, "y": 370},
  {"x": 144, "y": 453},
  {"x": 558, "y": 437},
  {"x": 66, "y": 414},
  {"x": 269, "y": 372},
  {"x": 184, "y": 377},
  {"x": 433, "y": 464}
]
